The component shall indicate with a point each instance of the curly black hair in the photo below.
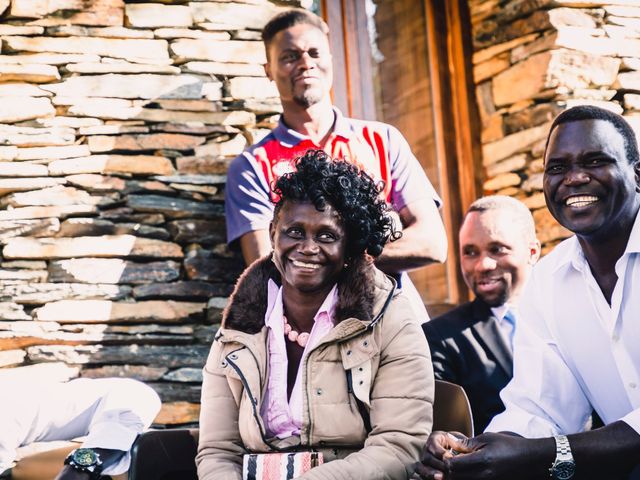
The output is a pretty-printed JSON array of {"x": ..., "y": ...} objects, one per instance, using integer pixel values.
[{"x": 349, "y": 190}]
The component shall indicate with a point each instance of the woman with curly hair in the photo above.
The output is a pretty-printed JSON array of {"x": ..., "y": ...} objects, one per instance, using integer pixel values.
[{"x": 318, "y": 350}]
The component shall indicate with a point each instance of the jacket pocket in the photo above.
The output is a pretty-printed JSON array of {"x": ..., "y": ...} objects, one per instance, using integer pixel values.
[{"x": 357, "y": 359}]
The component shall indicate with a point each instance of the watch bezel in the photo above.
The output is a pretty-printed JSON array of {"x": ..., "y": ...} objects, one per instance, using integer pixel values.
[
  {"x": 563, "y": 470},
  {"x": 80, "y": 457},
  {"x": 77, "y": 460}
]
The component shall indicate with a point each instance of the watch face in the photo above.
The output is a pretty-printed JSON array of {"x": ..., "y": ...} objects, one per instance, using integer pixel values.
[
  {"x": 563, "y": 470},
  {"x": 85, "y": 457}
]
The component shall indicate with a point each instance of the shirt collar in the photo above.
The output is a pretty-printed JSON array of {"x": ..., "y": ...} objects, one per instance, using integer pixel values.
[
  {"x": 575, "y": 256},
  {"x": 633, "y": 246},
  {"x": 342, "y": 126},
  {"x": 275, "y": 309},
  {"x": 289, "y": 137},
  {"x": 500, "y": 311}
]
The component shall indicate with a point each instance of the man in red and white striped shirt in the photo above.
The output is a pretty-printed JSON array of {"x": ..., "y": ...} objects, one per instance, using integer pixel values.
[{"x": 299, "y": 62}]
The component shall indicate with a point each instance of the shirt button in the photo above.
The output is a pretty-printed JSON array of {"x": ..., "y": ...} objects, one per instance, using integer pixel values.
[
  {"x": 632, "y": 385},
  {"x": 319, "y": 391}
]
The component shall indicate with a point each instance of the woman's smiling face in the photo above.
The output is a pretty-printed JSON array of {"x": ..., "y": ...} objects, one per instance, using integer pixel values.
[{"x": 309, "y": 246}]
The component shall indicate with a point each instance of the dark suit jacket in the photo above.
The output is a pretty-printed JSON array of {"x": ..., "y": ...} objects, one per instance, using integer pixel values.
[{"x": 468, "y": 349}]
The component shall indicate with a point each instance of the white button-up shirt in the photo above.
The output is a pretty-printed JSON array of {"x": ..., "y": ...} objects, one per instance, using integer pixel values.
[
  {"x": 109, "y": 413},
  {"x": 573, "y": 351},
  {"x": 283, "y": 417}
]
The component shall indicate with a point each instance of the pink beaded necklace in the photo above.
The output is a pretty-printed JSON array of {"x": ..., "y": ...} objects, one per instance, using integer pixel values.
[{"x": 301, "y": 338}]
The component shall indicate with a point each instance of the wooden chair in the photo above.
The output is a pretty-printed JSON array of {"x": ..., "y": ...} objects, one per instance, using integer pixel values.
[
  {"x": 451, "y": 409},
  {"x": 164, "y": 455}
]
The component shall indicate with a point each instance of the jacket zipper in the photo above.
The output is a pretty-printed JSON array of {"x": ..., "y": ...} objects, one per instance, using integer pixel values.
[
  {"x": 366, "y": 329},
  {"x": 252, "y": 398}
]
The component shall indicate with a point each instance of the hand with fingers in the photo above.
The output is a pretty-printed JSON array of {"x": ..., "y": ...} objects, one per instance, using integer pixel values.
[
  {"x": 440, "y": 448},
  {"x": 490, "y": 456}
]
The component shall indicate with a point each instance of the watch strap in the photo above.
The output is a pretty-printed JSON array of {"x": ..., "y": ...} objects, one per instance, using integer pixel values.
[
  {"x": 563, "y": 449},
  {"x": 563, "y": 467}
]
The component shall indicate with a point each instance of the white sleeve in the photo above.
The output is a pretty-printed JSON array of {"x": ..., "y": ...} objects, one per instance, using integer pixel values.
[
  {"x": 543, "y": 398},
  {"x": 17, "y": 411},
  {"x": 125, "y": 410},
  {"x": 248, "y": 206}
]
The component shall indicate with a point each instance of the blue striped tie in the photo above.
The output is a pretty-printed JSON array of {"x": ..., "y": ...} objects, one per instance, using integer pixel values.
[{"x": 511, "y": 319}]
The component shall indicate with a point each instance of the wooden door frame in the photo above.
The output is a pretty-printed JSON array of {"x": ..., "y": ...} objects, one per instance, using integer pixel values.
[
  {"x": 350, "y": 45},
  {"x": 454, "y": 116}
]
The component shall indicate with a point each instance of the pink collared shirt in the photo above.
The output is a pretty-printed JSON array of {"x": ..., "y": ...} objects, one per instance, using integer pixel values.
[{"x": 283, "y": 417}]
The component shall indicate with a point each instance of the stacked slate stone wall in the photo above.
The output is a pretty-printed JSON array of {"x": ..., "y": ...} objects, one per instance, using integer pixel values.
[
  {"x": 117, "y": 123},
  {"x": 535, "y": 58}
]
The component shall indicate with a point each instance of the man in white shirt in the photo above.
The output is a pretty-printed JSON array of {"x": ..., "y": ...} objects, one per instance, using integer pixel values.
[
  {"x": 471, "y": 345},
  {"x": 109, "y": 413},
  {"x": 576, "y": 346}
]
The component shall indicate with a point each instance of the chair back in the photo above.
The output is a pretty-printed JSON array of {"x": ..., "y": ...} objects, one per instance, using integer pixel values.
[
  {"x": 451, "y": 409},
  {"x": 165, "y": 455}
]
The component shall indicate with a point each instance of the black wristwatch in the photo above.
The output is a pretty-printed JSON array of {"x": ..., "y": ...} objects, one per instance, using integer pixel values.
[
  {"x": 85, "y": 460},
  {"x": 563, "y": 467}
]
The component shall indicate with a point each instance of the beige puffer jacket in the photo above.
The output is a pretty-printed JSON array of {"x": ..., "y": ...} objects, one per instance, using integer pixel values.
[{"x": 389, "y": 363}]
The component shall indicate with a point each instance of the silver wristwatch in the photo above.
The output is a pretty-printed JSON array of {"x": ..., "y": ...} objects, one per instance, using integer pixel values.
[{"x": 563, "y": 467}]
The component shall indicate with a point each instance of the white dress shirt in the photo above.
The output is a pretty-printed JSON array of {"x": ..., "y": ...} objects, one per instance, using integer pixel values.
[
  {"x": 573, "y": 351},
  {"x": 109, "y": 413}
]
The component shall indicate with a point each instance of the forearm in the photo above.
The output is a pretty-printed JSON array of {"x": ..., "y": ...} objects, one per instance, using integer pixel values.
[
  {"x": 108, "y": 457},
  {"x": 605, "y": 452},
  {"x": 423, "y": 239},
  {"x": 608, "y": 452},
  {"x": 254, "y": 245},
  {"x": 416, "y": 248}
]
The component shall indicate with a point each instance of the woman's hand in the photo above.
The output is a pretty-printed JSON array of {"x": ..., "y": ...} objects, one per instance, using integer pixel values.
[{"x": 440, "y": 447}]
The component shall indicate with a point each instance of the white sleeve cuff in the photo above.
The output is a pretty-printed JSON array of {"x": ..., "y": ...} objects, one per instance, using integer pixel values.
[{"x": 633, "y": 420}]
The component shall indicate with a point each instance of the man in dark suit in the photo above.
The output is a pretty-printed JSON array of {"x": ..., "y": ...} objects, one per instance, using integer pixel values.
[{"x": 472, "y": 344}]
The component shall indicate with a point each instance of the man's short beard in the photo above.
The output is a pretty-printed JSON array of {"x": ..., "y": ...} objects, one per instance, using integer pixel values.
[
  {"x": 308, "y": 98},
  {"x": 497, "y": 301}
]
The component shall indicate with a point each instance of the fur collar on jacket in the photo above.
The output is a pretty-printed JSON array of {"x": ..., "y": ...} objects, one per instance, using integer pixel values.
[{"x": 248, "y": 303}]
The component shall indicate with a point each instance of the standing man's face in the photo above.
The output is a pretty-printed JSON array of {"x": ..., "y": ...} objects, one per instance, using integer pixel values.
[
  {"x": 589, "y": 184},
  {"x": 299, "y": 61},
  {"x": 496, "y": 256}
]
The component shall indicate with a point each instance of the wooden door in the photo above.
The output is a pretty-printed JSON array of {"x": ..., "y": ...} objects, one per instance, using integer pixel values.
[{"x": 409, "y": 66}]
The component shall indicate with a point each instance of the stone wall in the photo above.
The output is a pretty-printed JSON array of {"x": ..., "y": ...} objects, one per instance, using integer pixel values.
[
  {"x": 533, "y": 59},
  {"x": 117, "y": 123}
]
